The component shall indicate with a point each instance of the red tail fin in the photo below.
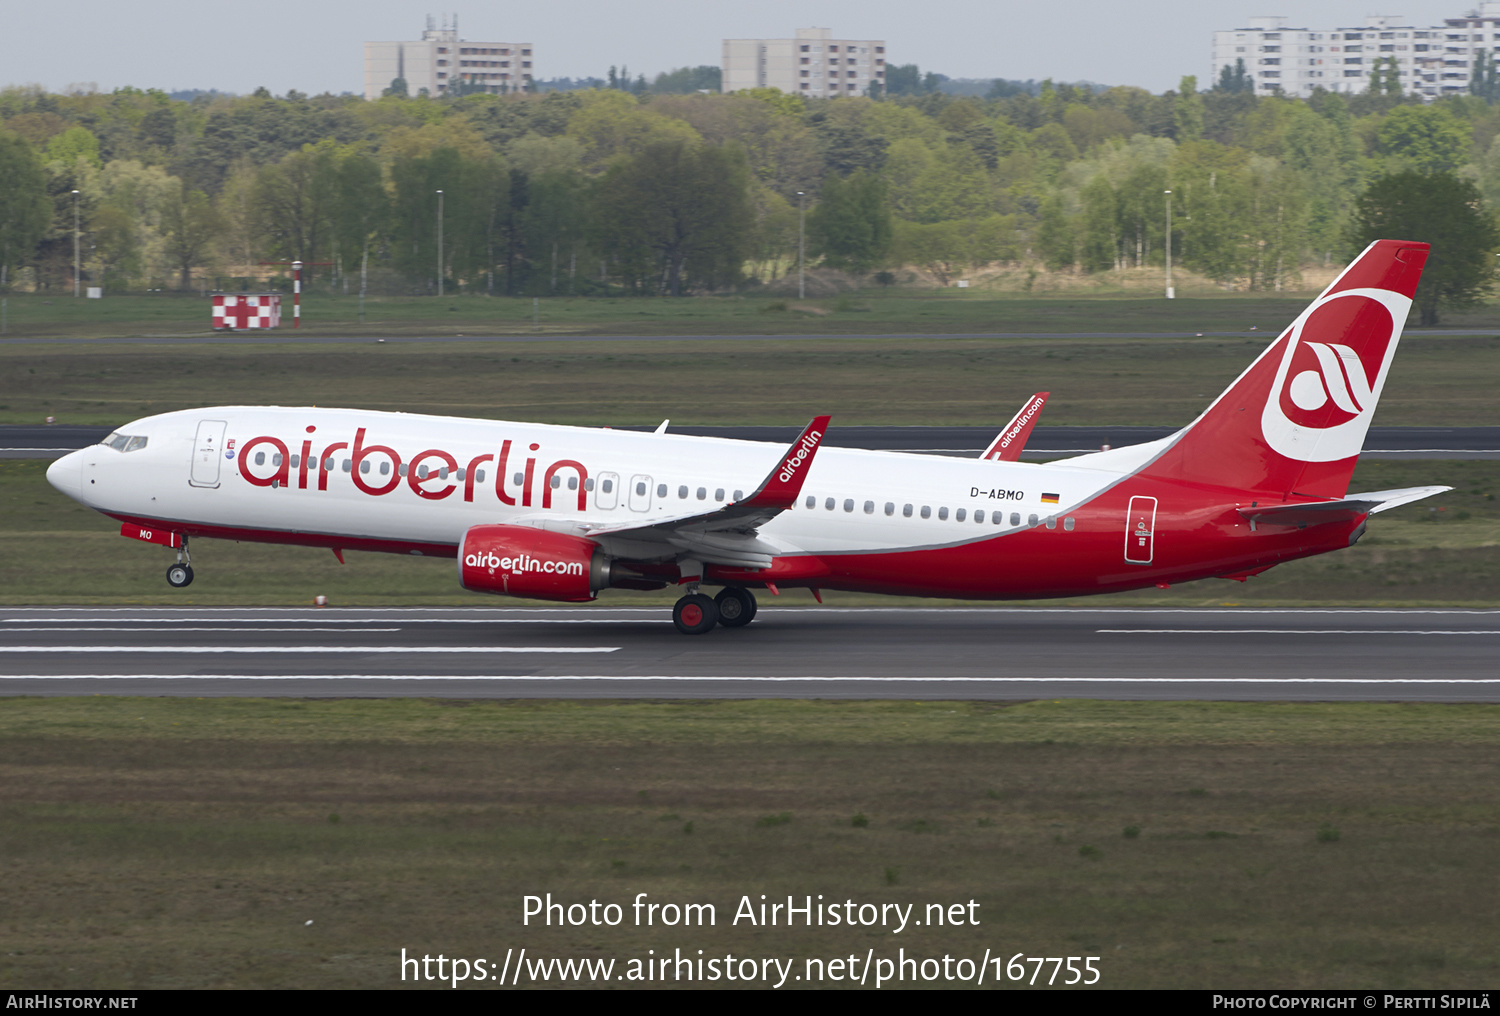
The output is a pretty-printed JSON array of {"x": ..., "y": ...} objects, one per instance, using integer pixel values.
[{"x": 1295, "y": 421}]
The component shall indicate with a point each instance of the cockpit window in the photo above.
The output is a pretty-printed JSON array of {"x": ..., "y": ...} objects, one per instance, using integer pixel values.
[{"x": 125, "y": 442}]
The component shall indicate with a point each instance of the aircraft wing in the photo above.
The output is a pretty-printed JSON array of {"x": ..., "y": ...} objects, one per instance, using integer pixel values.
[
  {"x": 1008, "y": 443},
  {"x": 727, "y": 535},
  {"x": 1343, "y": 510}
]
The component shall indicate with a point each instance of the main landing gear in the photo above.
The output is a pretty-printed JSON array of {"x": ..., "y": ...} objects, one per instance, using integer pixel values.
[
  {"x": 181, "y": 573},
  {"x": 695, "y": 613}
]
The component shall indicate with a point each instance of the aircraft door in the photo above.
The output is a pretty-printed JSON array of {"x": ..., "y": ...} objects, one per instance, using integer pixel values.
[
  {"x": 640, "y": 493},
  {"x": 208, "y": 449},
  {"x": 607, "y": 490},
  {"x": 1140, "y": 525}
]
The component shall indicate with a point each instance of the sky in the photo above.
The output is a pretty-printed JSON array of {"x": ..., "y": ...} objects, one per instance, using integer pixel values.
[{"x": 316, "y": 47}]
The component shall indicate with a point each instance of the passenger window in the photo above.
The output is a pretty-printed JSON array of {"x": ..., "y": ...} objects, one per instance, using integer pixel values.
[
  {"x": 848, "y": 504},
  {"x": 459, "y": 475},
  {"x": 608, "y": 486},
  {"x": 520, "y": 478},
  {"x": 478, "y": 475},
  {"x": 978, "y": 514},
  {"x": 997, "y": 517},
  {"x": 348, "y": 465},
  {"x": 739, "y": 495},
  {"x": 943, "y": 513},
  {"x": 554, "y": 483},
  {"x": 401, "y": 469},
  {"x": 869, "y": 507},
  {"x": 959, "y": 515},
  {"x": 1068, "y": 524},
  {"x": 1031, "y": 520},
  {"x": 926, "y": 511},
  {"x": 906, "y": 510},
  {"x": 661, "y": 490},
  {"x": 296, "y": 461},
  {"x": 682, "y": 492},
  {"x": 811, "y": 501},
  {"x": 364, "y": 465},
  {"x": 421, "y": 472},
  {"x": 719, "y": 494},
  {"x": 275, "y": 459},
  {"x": 260, "y": 458},
  {"x": 1015, "y": 518},
  {"x": 587, "y": 484},
  {"x": 1051, "y": 521},
  {"x": 828, "y": 504},
  {"x": 328, "y": 465},
  {"x": 572, "y": 483},
  {"x": 890, "y": 507},
  {"x": 702, "y": 493},
  {"x": 640, "y": 488},
  {"x": 385, "y": 468},
  {"x": 442, "y": 473}
]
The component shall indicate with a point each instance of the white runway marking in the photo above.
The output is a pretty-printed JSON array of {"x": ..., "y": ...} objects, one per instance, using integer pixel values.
[
  {"x": 308, "y": 649},
  {"x": 746, "y": 680},
  {"x": 1291, "y": 631}
]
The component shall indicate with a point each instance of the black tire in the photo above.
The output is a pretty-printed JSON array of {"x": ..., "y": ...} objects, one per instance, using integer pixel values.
[
  {"x": 736, "y": 606},
  {"x": 695, "y": 614},
  {"x": 180, "y": 575}
]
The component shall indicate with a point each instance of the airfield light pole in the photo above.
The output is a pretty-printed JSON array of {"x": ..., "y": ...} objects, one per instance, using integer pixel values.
[
  {"x": 1170, "y": 294},
  {"x": 801, "y": 244},
  {"x": 297, "y": 267},
  {"x": 440, "y": 244},
  {"x": 75, "y": 245}
]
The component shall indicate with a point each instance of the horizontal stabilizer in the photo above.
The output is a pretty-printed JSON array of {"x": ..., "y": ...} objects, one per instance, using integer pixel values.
[{"x": 1346, "y": 509}]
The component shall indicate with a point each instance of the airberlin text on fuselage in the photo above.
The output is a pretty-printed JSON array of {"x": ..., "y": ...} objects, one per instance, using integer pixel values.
[{"x": 364, "y": 470}]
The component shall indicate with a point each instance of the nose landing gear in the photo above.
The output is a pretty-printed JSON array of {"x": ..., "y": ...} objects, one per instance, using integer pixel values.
[{"x": 181, "y": 573}]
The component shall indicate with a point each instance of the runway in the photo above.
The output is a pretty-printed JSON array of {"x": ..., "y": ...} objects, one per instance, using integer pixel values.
[
  {"x": 788, "y": 652},
  {"x": 41, "y": 442}
]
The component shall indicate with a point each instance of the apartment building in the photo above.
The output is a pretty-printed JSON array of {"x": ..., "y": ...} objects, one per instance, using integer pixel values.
[
  {"x": 814, "y": 64},
  {"x": 442, "y": 59},
  {"x": 1432, "y": 61}
]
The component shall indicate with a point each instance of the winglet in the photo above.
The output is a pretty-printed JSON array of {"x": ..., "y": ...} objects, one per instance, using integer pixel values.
[
  {"x": 1008, "y": 443},
  {"x": 780, "y": 488}
]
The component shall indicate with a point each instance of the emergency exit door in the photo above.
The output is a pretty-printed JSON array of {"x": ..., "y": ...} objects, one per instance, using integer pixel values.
[
  {"x": 1140, "y": 523},
  {"x": 208, "y": 447}
]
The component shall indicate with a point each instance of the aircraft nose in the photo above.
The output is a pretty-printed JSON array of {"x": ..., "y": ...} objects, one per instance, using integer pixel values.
[{"x": 66, "y": 474}]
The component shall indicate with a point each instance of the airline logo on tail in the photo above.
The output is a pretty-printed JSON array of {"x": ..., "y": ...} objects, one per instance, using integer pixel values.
[{"x": 1331, "y": 374}]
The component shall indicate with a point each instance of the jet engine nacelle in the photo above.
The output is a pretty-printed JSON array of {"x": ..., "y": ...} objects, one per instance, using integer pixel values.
[{"x": 518, "y": 561}]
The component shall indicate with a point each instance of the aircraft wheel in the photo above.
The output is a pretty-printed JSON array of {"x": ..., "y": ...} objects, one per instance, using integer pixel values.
[
  {"x": 695, "y": 614},
  {"x": 180, "y": 575},
  {"x": 736, "y": 607}
]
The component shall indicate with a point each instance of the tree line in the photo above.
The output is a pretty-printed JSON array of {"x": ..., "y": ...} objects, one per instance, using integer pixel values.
[{"x": 608, "y": 189}]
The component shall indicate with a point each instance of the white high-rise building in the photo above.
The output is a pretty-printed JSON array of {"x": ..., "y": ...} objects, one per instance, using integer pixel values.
[
  {"x": 814, "y": 63},
  {"x": 442, "y": 60},
  {"x": 1432, "y": 61}
]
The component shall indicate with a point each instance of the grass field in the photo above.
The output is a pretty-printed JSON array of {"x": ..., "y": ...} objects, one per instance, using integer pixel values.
[
  {"x": 1445, "y": 550},
  {"x": 187, "y": 843},
  {"x": 1440, "y": 381},
  {"x": 895, "y": 311}
]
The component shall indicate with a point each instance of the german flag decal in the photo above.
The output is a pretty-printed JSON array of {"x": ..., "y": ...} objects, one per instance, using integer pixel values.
[{"x": 1049, "y": 499}]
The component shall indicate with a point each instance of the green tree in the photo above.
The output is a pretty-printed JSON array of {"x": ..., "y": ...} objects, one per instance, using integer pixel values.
[
  {"x": 1187, "y": 113},
  {"x": 1055, "y": 242},
  {"x": 851, "y": 228},
  {"x": 677, "y": 212},
  {"x": 191, "y": 225},
  {"x": 25, "y": 209},
  {"x": 1099, "y": 249},
  {"x": 1427, "y": 139},
  {"x": 1234, "y": 79},
  {"x": 1484, "y": 82},
  {"x": 1445, "y": 211}
]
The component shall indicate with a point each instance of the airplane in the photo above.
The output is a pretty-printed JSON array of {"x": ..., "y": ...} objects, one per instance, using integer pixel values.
[{"x": 562, "y": 513}]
